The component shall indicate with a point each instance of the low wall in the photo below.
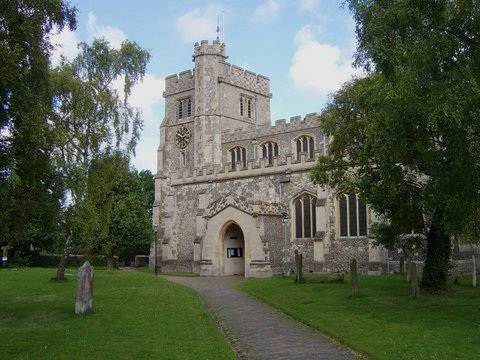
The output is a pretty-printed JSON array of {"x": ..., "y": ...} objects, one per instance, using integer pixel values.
[
  {"x": 141, "y": 260},
  {"x": 52, "y": 260}
]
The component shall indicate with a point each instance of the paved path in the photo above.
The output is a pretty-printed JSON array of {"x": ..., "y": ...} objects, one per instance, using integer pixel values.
[{"x": 263, "y": 333}]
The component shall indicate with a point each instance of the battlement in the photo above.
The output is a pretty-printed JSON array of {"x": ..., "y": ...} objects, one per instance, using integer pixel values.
[
  {"x": 237, "y": 76},
  {"x": 258, "y": 167},
  {"x": 296, "y": 123},
  {"x": 179, "y": 82},
  {"x": 216, "y": 48}
]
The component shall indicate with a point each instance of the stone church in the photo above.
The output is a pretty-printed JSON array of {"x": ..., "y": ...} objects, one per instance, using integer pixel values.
[{"x": 233, "y": 193}]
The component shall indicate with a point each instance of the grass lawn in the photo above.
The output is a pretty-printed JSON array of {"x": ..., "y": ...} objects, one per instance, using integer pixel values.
[
  {"x": 384, "y": 322},
  {"x": 136, "y": 316}
]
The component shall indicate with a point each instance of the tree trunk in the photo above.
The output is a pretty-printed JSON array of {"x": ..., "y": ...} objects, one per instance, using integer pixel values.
[
  {"x": 437, "y": 263},
  {"x": 64, "y": 259}
]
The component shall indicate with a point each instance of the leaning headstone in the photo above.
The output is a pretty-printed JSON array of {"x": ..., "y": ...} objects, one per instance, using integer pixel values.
[
  {"x": 300, "y": 268},
  {"x": 402, "y": 265},
  {"x": 353, "y": 271},
  {"x": 409, "y": 267},
  {"x": 298, "y": 264},
  {"x": 414, "y": 280},
  {"x": 474, "y": 272},
  {"x": 84, "y": 289}
]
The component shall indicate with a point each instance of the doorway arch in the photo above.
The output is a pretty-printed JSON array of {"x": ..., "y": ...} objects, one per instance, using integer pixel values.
[{"x": 233, "y": 250}]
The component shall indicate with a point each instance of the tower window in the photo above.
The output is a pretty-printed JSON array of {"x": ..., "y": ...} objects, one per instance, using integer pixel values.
[
  {"x": 305, "y": 144},
  {"x": 246, "y": 106},
  {"x": 269, "y": 150},
  {"x": 305, "y": 216},
  {"x": 353, "y": 216},
  {"x": 184, "y": 108},
  {"x": 183, "y": 158},
  {"x": 238, "y": 154},
  {"x": 189, "y": 107},
  {"x": 180, "y": 109}
]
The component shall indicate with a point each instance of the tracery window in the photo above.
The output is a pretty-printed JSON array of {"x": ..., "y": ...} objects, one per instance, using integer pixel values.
[
  {"x": 269, "y": 150},
  {"x": 353, "y": 215},
  {"x": 305, "y": 216},
  {"x": 246, "y": 108},
  {"x": 184, "y": 108},
  {"x": 238, "y": 154},
  {"x": 305, "y": 144}
]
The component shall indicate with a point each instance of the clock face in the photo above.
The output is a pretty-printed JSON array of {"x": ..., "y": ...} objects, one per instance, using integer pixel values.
[{"x": 182, "y": 137}]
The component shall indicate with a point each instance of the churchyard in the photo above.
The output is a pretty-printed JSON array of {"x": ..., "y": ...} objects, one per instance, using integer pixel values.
[
  {"x": 383, "y": 321},
  {"x": 135, "y": 316}
]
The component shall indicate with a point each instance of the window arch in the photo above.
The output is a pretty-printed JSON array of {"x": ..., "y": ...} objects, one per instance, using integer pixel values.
[
  {"x": 269, "y": 150},
  {"x": 305, "y": 144},
  {"x": 305, "y": 216},
  {"x": 238, "y": 154},
  {"x": 246, "y": 106},
  {"x": 184, "y": 108},
  {"x": 352, "y": 215}
]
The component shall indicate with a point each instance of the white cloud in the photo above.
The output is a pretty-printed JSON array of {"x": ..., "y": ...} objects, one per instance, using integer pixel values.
[
  {"x": 266, "y": 10},
  {"x": 145, "y": 96},
  {"x": 319, "y": 68},
  {"x": 113, "y": 35},
  {"x": 199, "y": 24},
  {"x": 64, "y": 43},
  {"x": 309, "y": 5},
  {"x": 304, "y": 35}
]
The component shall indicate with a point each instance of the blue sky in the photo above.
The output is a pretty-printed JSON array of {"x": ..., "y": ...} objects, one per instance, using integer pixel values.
[{"x": 305, "y": 47}]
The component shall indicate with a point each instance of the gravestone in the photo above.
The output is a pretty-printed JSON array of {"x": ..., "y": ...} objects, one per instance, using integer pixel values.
[
  {"x": 474, "y": 272},
  {"x": 402, "y": 265},
  {"x": 299, "y": 265},
  {"x": 84, "y": 289},
  {"x": 414, "y": 280},
  {"x": 409, "y": 267},
  {"x": 353, "y": 271}
]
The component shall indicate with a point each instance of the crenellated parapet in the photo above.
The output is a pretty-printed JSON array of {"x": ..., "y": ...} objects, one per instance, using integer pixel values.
[
  {"x": 245, "y": 79},
  {"x": 255, "y": 167},
  {"x": 204, "y": 48},
  {"x": 179, "y": 82},
  {"x": 296, "y": 123}
]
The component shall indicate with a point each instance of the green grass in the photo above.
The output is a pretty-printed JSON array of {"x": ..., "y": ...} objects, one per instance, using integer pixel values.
[
  {"x": 136, "y": 316},
  {"x": 384, "y": 322}
]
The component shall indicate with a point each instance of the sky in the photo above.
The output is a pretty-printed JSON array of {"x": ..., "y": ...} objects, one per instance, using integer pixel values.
[{"x": 305, "y": 47}]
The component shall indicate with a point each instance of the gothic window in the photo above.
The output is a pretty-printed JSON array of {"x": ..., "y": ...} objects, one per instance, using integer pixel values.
[
  {"x": 305, "y": 216},
  {"x": 305, "y": 144},
  {"x": 189, "y": 107},
  {"x": 183, "y": 158},
  {"x": 352, "y": 216},
  {"x": 246, "y": 108},
  {"x": 180, "y": 109},
  {"x": 269, "y": 150},
  {"x": 238, "y": 154},
  {"x": 184, "y": 108}
]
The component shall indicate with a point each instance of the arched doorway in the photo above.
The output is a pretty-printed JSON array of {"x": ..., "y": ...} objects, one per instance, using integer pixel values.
[{"x": 233, "y": 251}]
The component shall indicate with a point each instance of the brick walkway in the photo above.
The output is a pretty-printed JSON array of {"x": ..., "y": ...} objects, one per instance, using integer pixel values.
[{"x": 261, "y": 331}]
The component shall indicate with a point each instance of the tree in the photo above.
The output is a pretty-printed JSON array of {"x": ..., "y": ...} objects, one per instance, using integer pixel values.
[
  {"x": 120, "y": 199},
  {"x": 91, "y": 116},
  {"x": 406, "y": 137},
  {"x": 30, "y": 186}
]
